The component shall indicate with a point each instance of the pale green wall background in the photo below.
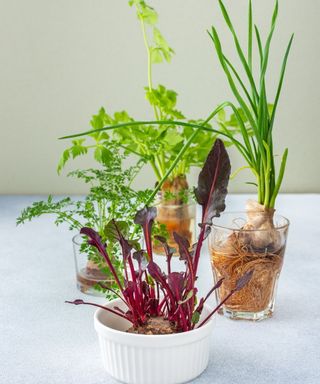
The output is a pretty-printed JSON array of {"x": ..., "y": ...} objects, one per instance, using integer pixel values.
[{"x": 63, "y": 59}]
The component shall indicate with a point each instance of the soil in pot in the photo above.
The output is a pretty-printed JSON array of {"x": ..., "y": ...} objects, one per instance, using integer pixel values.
[{"x": 154, "y": 326}]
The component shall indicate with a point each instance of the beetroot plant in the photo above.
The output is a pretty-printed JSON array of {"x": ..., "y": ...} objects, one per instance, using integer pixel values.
[{"x": 150, "y": 293}]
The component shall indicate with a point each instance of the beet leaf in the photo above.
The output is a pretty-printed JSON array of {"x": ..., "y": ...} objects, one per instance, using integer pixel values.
[
  {"x": 212, "y": 191},
  {"x": 213, "y": 182},
  {"x": 169, "y": 251},
  {"x": 145, "y": 217}
]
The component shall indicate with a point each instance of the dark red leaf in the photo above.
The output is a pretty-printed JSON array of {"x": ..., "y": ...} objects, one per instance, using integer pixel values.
[
  {"x": 211, "y": 191},
  {"x": 145, "y": 288},
  {"x": 212, "y": 183},
  {"x": 92, "y": 235},
  {"x": 116, "y": 233},
  {"x": 76, "y": 302},
  {"x": 183, "y": 245},
  {"x": 176, "y": 282},
  {"x": 141, "y": 258},
  {"x": 156, "y": 273},
  {"x": 185, "y": 255},
  {"x": 153, "y": 306},
  {"x": 114, "y": 310},
  {"x": 145, "y": 217},
  {"x": 169, "y": 251},
  {"x": 95, "y": 240}
]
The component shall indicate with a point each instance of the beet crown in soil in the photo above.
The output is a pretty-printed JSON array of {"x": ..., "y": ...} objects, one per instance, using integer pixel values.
[{"x": 154, "y": 326}]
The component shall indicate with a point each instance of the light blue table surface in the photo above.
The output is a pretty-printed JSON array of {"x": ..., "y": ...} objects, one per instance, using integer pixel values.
[{"x": 44, "y": 341}]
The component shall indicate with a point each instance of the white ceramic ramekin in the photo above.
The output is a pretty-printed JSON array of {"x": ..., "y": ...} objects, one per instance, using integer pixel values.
[{"x": 151, "y": 359}]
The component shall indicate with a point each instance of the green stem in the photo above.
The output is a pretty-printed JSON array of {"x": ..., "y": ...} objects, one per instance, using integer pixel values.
[
  {"x": 198, "y": 127},
  {"x": 259, "y": 190},
  {"x": 169, "y": 122},
  {"x": 159, "y": 165},
  {"x": 236, "y": 172},
  {"x": 162, "y": 160},
  {"x": 100, "y": 217},
  {"x": 261, "y": 186},
  {"x": 68, "y": 220},
  {"x": 280, "y": 178},
  {"x": 267, "y": 176},
  {"x": 131, "y": 150},
  {"x": 149, "y": 62},
  {"x": 155, "y": 169}
]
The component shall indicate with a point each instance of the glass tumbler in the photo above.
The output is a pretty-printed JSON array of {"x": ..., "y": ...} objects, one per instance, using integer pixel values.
[{"x": 234, "y": 250}]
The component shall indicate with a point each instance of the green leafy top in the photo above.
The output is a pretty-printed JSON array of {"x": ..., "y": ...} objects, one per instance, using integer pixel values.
[
  {"x": 157, "y": 145},
  {"x": 251, "y": 96},
  {"x": 157, "y": 46},
  {"x": 110, "y": 197}
]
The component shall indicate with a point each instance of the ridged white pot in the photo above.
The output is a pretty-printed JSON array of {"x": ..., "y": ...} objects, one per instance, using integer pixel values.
[{"x": 151, "y": 359}]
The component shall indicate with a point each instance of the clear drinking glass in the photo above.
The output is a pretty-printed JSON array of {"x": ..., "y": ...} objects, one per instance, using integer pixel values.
[
  {"x": 235, "y": 250},
  {"x": 88, "y": 274}
]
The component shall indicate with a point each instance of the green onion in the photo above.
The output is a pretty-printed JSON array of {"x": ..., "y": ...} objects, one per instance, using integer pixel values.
[{"x": 259, "y": 150}]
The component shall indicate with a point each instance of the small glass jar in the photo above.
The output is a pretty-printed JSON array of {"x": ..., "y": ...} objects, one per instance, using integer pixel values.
[
  {"x": 179, "y": 218},
  {"x": 235, "y": 250},
  {"x": 88, "y": 273}
]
